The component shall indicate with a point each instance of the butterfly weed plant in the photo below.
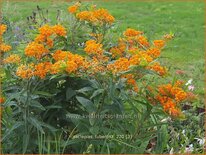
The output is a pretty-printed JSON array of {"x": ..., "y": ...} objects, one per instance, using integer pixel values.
[{"x": 73, "y": 89}]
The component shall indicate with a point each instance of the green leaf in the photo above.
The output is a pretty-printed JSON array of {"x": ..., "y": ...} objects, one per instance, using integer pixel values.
[
  {"x": 70, "y": 93},
  {"x": 162, "y": 139},
  {"x": 51, "y": 128},
  {"x": 97, "y": 92},
  {"x": 42, "y": 93},
  {"x": 143, "y": 146},
  {"x": 86, "y": 104},
  {"x": 85, "y": 89},
  {"x": 70, "y": 142},
  {"x": 36, "y": 124},
  {"x": 74, "y": 117},
  {"x": 92, "y": 119},
  {"x": 25, "y": 142},
  {"x": 15, "y": 126},
  {"x": 53, "y": 107},
  {"x": 94, "y": 130},
  {"x": 95, "y": 84},
  {"x": 36, "y": 104}
]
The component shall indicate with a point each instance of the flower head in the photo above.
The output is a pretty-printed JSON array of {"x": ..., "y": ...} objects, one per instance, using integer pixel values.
[
  {"x": 14, "y": 58},
  {"x": 36, "y": 50}
]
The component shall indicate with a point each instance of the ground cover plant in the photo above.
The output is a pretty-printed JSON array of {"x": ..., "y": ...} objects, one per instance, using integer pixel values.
[{"x": 72, "y": 84}]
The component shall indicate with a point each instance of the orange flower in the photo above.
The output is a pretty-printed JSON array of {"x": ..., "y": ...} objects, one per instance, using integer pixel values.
[
  {"x": 24, "y": 71},
  {"x": 87, "y": 16},
  {"x": 2, "y": 29},
  {"x": 50, "y": 43},
  {"x": 180, "y": 96},
  {"x": 4, "y": 47},
  {"x": 178, "y": 83},
  {"x": 98, "y": 16},
  {"x": 36, "y": 50},
  {"x": 122, "y": 64},
  {"x": 2, "y": 100},
  {"x": 59, "y": 30},
  {"x": 159, "y": 43},
  {"x": 71, "y": 67},
  {"x": 57, "y": 67},
  {"x": 79, "y": 60},
  {"x": 93, "y": 48},
  {"x": 116, "y": 52},
  {"x": 171, "y": 108},
  {"x": 135, "y": 59},
  {"x": 40, "y": 38},
  {"x": 97, "y": 37},
  {"x": 142, "y": 41},
  {"x": 158, "y": 68},
  {"x": 103, "y": 16},
  {"x": 131, "y": 81},
  {"x": 145, "y": 57},
  {"x": 133, "y": 50},
  {"x": 169, "y": 96},
  {"x": 132, "y": 32},
  {"x": 43, "y": 39},
  {"x": 60, "y": 55},
  {"x": 73, "y": 9},
  {"x": 46, "y": 30},
  {"x": 14, "y": 58},
  {"x": 42, "y": 69},
  {"x": 153, "y": 52},
  {"x": 168, "y": 37}
]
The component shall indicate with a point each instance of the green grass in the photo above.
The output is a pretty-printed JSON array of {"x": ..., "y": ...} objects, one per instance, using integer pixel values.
[{"x": 184, "y": 19}]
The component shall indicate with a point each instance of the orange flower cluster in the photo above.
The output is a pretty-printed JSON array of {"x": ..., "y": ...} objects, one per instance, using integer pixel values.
[
  {"x": 46, "y": 32},
  {"x": 120, "y": 65},
  {"x": 3, "y": 47},
  {"x": 132, "y": 32},
  {"x": 169, "y": 96},
  {"x": 142, "y": 41},
  {"x": 2, "y": 100},
  {"x": 158, "y": 68},
  {"x": 168, "y": 37},
  {"x": 119, "y": 50},
  {"x": 93, "y": 48},
  {"x": 96, "y": 16},
  {"x": 73, "y": 9},
  {"x": 59, "y": 30},
  {"x": 2, "y": 29},
  {"x": 134, "y": 50},
  {"x": 36, "y": 50},
  {"x": 153, "y": 52},
  {"x": 95, "y": 66},
  {"x": 68, "y": 61},
  {"x": 159, "y": 43},
  {"x": 60, "y": 55},
  {"x": 14, "y": 58},
  {"x": 97, "y": 37},
  {"x": 25, "y": 71},
  {"x": 133, "y": 43},
  {"x": 131, "y": 81},
  {"x": 42, "y": 69},
  {"x": 58, "y": 67}
]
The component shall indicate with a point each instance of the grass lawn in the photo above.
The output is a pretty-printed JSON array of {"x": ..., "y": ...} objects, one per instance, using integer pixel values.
[{"x": 184, "y": 19}]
